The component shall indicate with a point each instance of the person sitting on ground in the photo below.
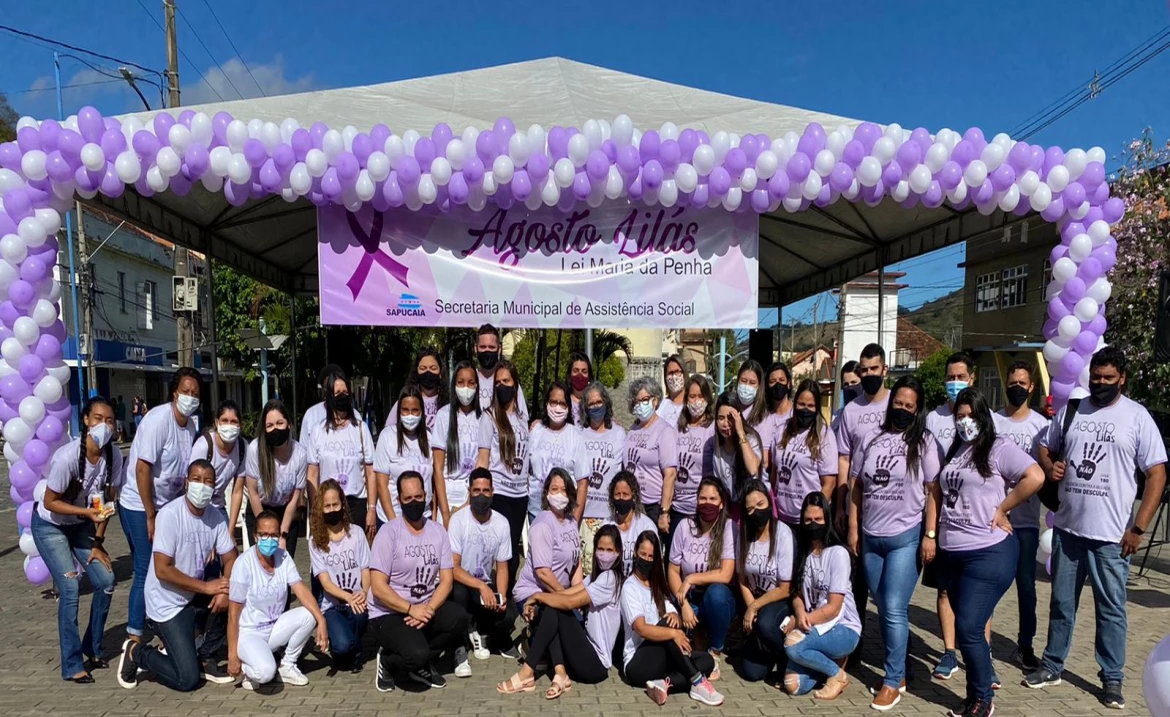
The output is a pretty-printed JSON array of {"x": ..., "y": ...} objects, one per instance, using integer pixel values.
[
  {"x": 764, "y": 565},
  {"x": 340, "y": 557},
  {"x": 625, "y": 511},
  {"x": 554, "y": 542}
]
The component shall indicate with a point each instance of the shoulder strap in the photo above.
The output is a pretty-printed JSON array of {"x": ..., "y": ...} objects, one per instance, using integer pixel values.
[{"x": 1070, "y": 413}]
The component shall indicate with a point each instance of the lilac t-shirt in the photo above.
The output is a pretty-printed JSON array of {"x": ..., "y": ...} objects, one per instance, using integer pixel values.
[
  {"x": 412, "y": 563},
  {"x": 892, "y": 498},
  {"x": 970, "y": 500},
  {"x": 604, "y": 615},
  {"x": 1102, "y": 449},
  {"x": 430, "y": 410},
  {"x": 648, "y": 452},
  {"x": 721, "y": 463},
  {"x": 827, "y": 574},
  {"x": 690, "y": 553},
  {"x": 548, "y": 449},
  {"x": 640, "y": 524},
  {"x": 553, "y": 544},
  {"x": 290, "y": 476},
  {"x": 343, "y": 562},
  {"x": 858, "y": 419},
  {"x": 770, "y": 428},
  {"x": 388, "y": 461},
  {"x": 796, "y": 472},
  {"x": 765, "y": 570},
  {"x": 603, "y": 459},
  {"x": 487, "y": 388},
  {"x": 342, "y": 454},
  {"x": 669, "y": 411},
  {"x": 941, "y": 424},
  {"x": 508, "y": 480},
  {"x": 691, "y": 444},
  {"x": 1026, "y": 434}
]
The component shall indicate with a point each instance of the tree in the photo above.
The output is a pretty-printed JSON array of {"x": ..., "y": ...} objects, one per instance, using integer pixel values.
[
  {"x": 8, "y": 119},
  {"x": 539, "y": 366},
  {"x": 932, "y": 374},
  {"x": 1143, "y": 253}
]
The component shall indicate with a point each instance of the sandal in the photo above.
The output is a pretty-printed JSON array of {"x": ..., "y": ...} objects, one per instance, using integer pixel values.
[
  {"x": 516, "y": 685},
  {"x": 97, "y": 663},
  {"x": 558, "y": 688}
]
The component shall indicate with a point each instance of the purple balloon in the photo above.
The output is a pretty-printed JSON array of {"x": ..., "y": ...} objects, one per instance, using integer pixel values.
[
  {"x": 779, "y": 183},
  {"x": 36, "y": 571},
  {"x": 458, "y": 190},
  {"x": 145, "y": 144},
  {"x": 628, "y": 160},
  {"x": 18, "y": 204},
  {"x": 582, "y": 187},
  {"x": 198, "y": 159},
  {"x": 348, "y": 168},
  {"x": 839, "y": 179},
  {"x": 736, "y": 161},
  {"x": 652, "y": 174},
  {"x": 1090, "y": 270},
  {"x": 13, "y": 388},
  {"x": 219, "y": 124},
  {"x": 1002, "y": 178},
  {"x": 30, "y": 366},
  {"x": 558, "y": 143},
  {"x": 473, "y": 171},
  {"x": 1090, "y": 179},
  {"x": 984, "y": 194},
  {"x": 610, "y": 149},
  {"x": 1085, "y": 343},
  {"x": 867, "y": 133},
  {"x": 649, "y": 146},
  {"x": 719, "y": 181},
  {"x": 23, "y": 476},
  {"x": 302, "y": 142},
  {"x": 853, "y": 153},
  {"x": 57, "y": 331},
  {"x": 921, "y": 137},
  {"x": 521, "y": 186},
  {"x": 891, "y": 175},
  {"x": 1020, "y": 157},
  {"x": 1071, "y": 365},
  {"x": 1060, "y": 391},
  {"x": 36, "y": 454},
  {"x": 361, "y": 147},
  {"x": 1094, "y": 214},
  {"x": 1074, "y": 195},
  {"x": 670, "y": 154},
  {"x": 909, "y": 156},
  {"x": 934, "y": 195},
  {"x": 162, "y": 126},
  {"x": 9, "y": 313},
  {"x": 1098, "y": 325},
  {"x": 950, "y": 175},
  {"x": 537, "y": 168},
  {"x": 798, "y": 167},
  {"x": 317, "y": 133},
  {"x": 254, "y": 152},
  {"x": 1050, "y": 329},
  {"x": 1058, "y": 252},
  {"x": 597, "y": 165},
  {"x": 688, "y": 140},
  {"x": 1073, "y": 291},
  {"x": 1053, "y": 156},
  {"x": 331, "y": 185},
  {"x": 486, "y": 147},
  {"x": 22, "y": 294},
  {"x": 424, "y": 152},
  {"x": 270, "y": 177},
  {"x": 1050, "y": 521},
  {"x": 409, "y": 170},
  {"x": 441, "y": 135},
  {"x": 113, "y": 186},
  {"x": 700, "y": 196},
  {"x": 760, "y": 201},
  {"x": 1112, "y": 211},
  {"x": 964, "y": 152},
  {"x": 1057, "y": 309},
  {"x": 634, "y": 189},
  {"x": 392, "y": 191},
  {"x": 283, "y": 158}
]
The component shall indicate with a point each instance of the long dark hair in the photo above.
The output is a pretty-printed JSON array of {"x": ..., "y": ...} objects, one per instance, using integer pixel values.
[
  {"x": 715, "y": 550},
  {"x": 627, "y": 477},
  {"x": 741, "y": 471},
  {"x": 570, "y": 490},
  {"x": 411, "y": 390},
  {"x": 500, "y": 413},
  {"x": 745, "y": 539},
  {"x": 609, "y": 530},
  {"x": 442, "y": 388},
  {"x": 813, "y": 440},
  {"x": 684, "y": 416},
  {"x": 209, "y": 432},
  {"x": 265, "y": 457},
  {"x": 453, "y": 457},
  {"x": 782, "y": 368},
  {"x": 74, "y": 487},
  {"x": 568, "y": 394},
  {"x": 657, "y": 577},
  {"x": 804, "y": 545},
  {"x": 985, "y": 441},
  {"x": 916, "y": 431},
  {"x": 760, "y": 406},
  {"x": 331, "y": 409}
]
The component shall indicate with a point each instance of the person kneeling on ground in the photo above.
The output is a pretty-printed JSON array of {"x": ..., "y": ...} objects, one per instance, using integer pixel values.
[
  {"x": 186, "y": 532},
  {"x": 340, "y": 558},
  {"x": 411, "y": 575}
]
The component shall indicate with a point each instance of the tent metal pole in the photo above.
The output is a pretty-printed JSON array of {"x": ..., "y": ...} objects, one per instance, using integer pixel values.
[
  {"x": 589, "y": 344},
  {"x": 292, "y": 335}
]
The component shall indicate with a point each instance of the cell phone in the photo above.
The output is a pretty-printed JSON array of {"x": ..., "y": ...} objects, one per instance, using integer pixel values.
[
  {"x": 786, "y": 624},
  {"x": 499, "y": 599}
]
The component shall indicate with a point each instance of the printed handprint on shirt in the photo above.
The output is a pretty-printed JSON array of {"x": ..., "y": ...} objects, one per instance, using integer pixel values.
[
  {"x": 423, "y": 577},
  {"x": 631, "y": 459},
  {"x": 1091, "y": 455},
  {"x": 348, "y": 581},
  {"x": 881, "y": 474},
  {"x": 785, "y": 468},
  {"x": 953, "y": 484},
  {"x": 600, "y": 466},
  {"x": 518, "y": 461},
  {"x": 686, "y": 465}
]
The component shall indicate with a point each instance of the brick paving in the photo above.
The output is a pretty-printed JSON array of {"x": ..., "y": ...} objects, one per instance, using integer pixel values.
[{"x": 30, "y": 682}]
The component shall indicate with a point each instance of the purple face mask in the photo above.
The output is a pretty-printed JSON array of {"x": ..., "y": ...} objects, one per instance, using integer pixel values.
[{"x": 606, "y": 559}]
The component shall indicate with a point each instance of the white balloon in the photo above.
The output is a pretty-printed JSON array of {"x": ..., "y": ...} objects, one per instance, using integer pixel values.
[
  {"x": 721, "y": 143},
  {"x": 348, "y": 132},
  {"x": 316, "y": 162},
  {"x": 490, "y": 185},
  {"x": 1041, "y": 197},
  {"x": 518, "y": 148},
  {"x": 12, "y": 455},
  {"x": 1099, "y": 232},
  {"x": 32, "y": 410},
  {"x": 93, "y": 157},
  {"x": 470, "y": 134},
  {"x": 456, "y": 153},
  {"x": 168, "y": 162},
  {"x": 158, "y": 181},
  {"x": 128, "y": 167},
  {"x": 614, "y": 185},
  {"x": 534, "y": 202},
  {"x": 270, "y": 136},
  {"x": 668, "y": 193},
  {"x": 992, "y": 156},
  {"x": 884, "y": 150},
  {"x": 33, "y": 164},
  {"x": 9, "y": 180},
  {"x": 749, "y": 180},
  {"x": 937, "y": 156},
  {"x": 734, "y": 197},
  {"x": 332, "y": 144},
  {"x": 704, "y": 159},
  {"x": 395, "y": 149},
  {"x": 1058, "y": 178},
  {"x": 1045, "y": 545},
  {"x": 578, "y": 150},
  {"x": 44, "y": 312},
  {"x": 218, "y": 161},
  {"x": 8, "y": 274},
  {"x": 1080, "y": 211},
  {"x": 60, "y": 371},
  {"x": 551, "y": 192},
  {"x": 669, "y": 130},
  {"x": 791, "y": 204},
  {"x": 623, "y": 131},
  {"x": 766, "y": 165},
  {"x": 1096, "y": 154},
  {"x": 1053, "y": 290},
  {"x": 379, "y": 166},
  {"x": 409, "y": 139},
  {"x": 1069, "y": 327},
  {"x": 853, "y": 190},
  {"x": 1064, "y": 269},
  {"x": 476, "y": 201},
  {"x": 1100, "y": 290},
  {"x": 975, "y": 174},
  {"x": 427, "y": 191},
  {"x": 1054, "y": 352},
  {"x": 13, "y": 248},
  {"x": 685, "y": 177},
  {"x": 12, "y": 350},
  {"x": 920, "y": 179},
  {"x": 1086, "y": 309},
  {"x": 288, "y": 195},
  {"x": 1010, "y": 199},
  {"x": 28, "y": 546},
  {"x": 869, "y": 171},
  {"x": 26, "y": 121},
  {"x": 237, "y": 135},
  {"x": 31, "y": 231},
  {"x": 825, "y": 161},
  {"x": 835, "y": 143},
  {"x": 238, "y": 169},
  {"x": 211, "y": 182},
  {"x": 1075, "y": 160},
  {"x": 503, "y": 169},
  {"x": 606, "y": 129},
  {"x": 1028, "y": 182},
  {"x": 1080, "y": 247},
  {"x": 564, "y": 172},
  {"x": 364, "y": 186},
  {"x": 300, "y": 180},
  {"x": 17, "y": 432},
  {"x": 1156, "y": 679},
  {"x": 202, "y": 129},
  {"x": 254, "y": 126},
  {"x": 441, "y": 171},
  {"x": 901, "y": 191},
  {"x": 958, "y": 194},
  {"x": 812, "y": 185},
  {"x": 179, "y": 137}
]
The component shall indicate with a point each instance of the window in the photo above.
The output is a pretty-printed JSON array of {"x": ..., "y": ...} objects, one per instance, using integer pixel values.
[
  {"x": 1015, "y": 286},
  {"x": 122, "y": 290},
  {"x": 152, "y": 292},
  {"x": 987, "y": 292},
  {"x": 145, "y": 294},
  {"x": 1047, "y": 277}
]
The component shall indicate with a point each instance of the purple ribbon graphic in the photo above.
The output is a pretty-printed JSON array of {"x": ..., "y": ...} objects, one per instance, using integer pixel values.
[{"x": 373, "y": 254}]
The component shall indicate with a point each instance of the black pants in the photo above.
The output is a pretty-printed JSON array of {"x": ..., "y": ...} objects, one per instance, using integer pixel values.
[
  {"x": 495, "y": 626},
  {"x": 357, "y": 511},
  {"x": 515, "y": 510},
  {"x": 214, "y": 623},
  {"x": 675, "y": 519},
  {"x": 409, "y": 648},
  {"x": 294, "y": 528},
  {"x": 658, "y": 660},
  {"x": 559, "y": 635}
]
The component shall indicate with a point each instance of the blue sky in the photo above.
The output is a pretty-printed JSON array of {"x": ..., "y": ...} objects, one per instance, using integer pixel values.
[{"x": 989, "y": 65}]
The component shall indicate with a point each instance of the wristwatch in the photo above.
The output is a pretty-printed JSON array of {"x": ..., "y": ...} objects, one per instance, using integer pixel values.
[
  {"x": 1137, "y": 531},
  {"x": 931, "y": 534},
  {"x": 284, "y": 534}
]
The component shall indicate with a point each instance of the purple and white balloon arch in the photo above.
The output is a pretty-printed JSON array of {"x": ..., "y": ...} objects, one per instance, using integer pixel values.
[{"x": 51, "y": 163}]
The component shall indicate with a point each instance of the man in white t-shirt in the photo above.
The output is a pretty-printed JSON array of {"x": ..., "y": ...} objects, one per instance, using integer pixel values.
[
  {"x": 186, "y": 533},
  {"x": 481, "y": 546}
]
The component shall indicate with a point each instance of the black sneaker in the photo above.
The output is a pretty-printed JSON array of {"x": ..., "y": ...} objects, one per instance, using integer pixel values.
[
  {"x": 428, "y": 676},
  {"x": 1041, "y": 678},
  {"x": 215, "y": 674},
  {"x": 127, "y": 670},
  {"x": 1112, "y": 697},
  {"x": 511, "y": 652},
  {"x": 383, "y": 680},
  {"x": 1028, "y": 659},
  {"x": 964, "y": 710}
]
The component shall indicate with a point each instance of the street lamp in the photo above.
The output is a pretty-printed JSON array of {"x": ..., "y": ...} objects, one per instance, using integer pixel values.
[
  {"x": 129, "y": 77},
  {"x": 259, "y": 340}
]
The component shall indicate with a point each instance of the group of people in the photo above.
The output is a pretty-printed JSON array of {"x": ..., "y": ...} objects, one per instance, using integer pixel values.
[{"x": 742, "y": 522}]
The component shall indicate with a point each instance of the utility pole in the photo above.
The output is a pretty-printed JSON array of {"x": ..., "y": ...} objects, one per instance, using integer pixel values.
[
  {"x": 172, "y": 54},
  {"x": 87, "y": 296},
  {"x": 184, "y": 339}
]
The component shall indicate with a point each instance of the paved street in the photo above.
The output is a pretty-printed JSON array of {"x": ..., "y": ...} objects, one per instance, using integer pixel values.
[{"x": 30, "y": 683}]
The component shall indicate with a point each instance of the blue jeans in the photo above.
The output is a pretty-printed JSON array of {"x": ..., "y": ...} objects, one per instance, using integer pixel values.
[
  {"x": 62, "y": 547},
  {"x": 1026, "y": 585},
  {"x": 1073, "y": 559},
  {"x": 891, "y": 570},
  {"x": 815, "y": 657},
  {"x": 134, "y": 526},
  {"x": 179, "y": 668},
  {"x": 715, "y": 609},
  {"x": 345, "y": 634},
  {"x": 766, "y": 643},
  {"x": 975, "y": 581}
]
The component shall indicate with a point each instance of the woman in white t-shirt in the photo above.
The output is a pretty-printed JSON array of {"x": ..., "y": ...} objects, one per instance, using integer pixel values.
[
  {"x": 404, "y": 447},
  {"x": 764, "y": 557},
  {"x": 455, "y": 441},
  {"x": 258, "y": 623},
  {"x": 625, "y": 512},
  {"x": 67, "y": 527},
  {"x": 577, "y": 652},
  {"x": 341, "y": 447},
  {"x": 276, "y": 470},
  {"x": 555, "y": 443},
  {"x": 220, "y": 445},
  {"x": 340, "y": 558},
  {"x": 657, "y": 653}
]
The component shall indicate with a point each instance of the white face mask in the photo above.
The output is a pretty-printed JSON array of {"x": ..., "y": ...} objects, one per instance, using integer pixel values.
[
  {"x": 465, "y": 394},
  {"x": 560, "y": 501},
  {"x": 643, "y": 410},
  {"x": 674, "y": 383},
  {"x": 556, "y": 414},
  {"x": 746, "y": 393},
  {"x": 967, "y": 429},
  {"x": 227, "y": 432},
  {"x": 100, "y": 434},
  {"x": 411, "y": 422},
  {"x": 187, "y": 405},
  {"x": 199, "y": 494}
]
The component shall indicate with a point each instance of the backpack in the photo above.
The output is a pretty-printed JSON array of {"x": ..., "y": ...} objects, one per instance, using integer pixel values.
[{"x": 1050, "y": 491}]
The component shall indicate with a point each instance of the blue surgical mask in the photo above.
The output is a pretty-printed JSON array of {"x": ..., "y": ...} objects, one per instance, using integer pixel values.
[
  {"x": 643, "y": 410},
  {"x": 267, "y": 546},
  {"x": 954, "y": 387},
  {"x": 596, "y": 413},
  {"x": 746, "y": 393}
]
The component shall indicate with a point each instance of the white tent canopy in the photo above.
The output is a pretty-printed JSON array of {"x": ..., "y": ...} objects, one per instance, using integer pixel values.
[{"x": 800, "y": 254}]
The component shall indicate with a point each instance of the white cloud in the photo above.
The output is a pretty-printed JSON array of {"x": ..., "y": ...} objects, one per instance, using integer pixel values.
[{"x": 270, "y": 76}]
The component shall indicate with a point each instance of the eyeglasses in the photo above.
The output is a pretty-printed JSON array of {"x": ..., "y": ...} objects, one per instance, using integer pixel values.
[{"x": 267, "y": 536}]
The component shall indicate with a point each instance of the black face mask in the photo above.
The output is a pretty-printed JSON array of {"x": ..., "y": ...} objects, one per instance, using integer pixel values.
[
  {"x": 413, "y": 511},
  {"x": 481, "y": 505},
  {"x": 757, "y": 520},
  {"x": 643, "y": 566},
  {"x": 849, "y": 393},
  {"x": 332, "y": 517},
  {"x": 622, "y": 508},
  {"x": 777, "y": 392},
  {"x": 901, "y": 419},
  {"x": 428, "y": 380},
  {"x": 277, "y": 437},
  {"x": 1104, "y": 394},
  {"x": 814, "y": 531},
  {"x": 487, "y": 359},
  {"x": 343, "y": 402},
  {"x": 804, "y": 417},
  {"x": 505, "y": 395},
  {"x": 871, "y": 384},
  {"x": 1017, "y": 395}
]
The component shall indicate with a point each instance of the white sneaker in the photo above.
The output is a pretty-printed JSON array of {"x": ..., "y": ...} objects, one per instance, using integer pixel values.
[
  {"x": 291, "y": 675},
  {"x": 248, "y": 684},
  {"x": 478, "y": 648},
  {"x": 462, "y": 666}
]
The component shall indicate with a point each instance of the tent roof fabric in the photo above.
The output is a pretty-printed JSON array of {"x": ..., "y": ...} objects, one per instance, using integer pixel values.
[{"x": 800, "y": 254}]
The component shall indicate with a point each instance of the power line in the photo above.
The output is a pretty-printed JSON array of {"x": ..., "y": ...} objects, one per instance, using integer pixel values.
[
  {"x": 64, "y": 87},
  {"x": 209, "y": 55},
  {"x": 181, "y": 53},
  {"x": 234, "y": 48},
  {"x": 28, "y": 36}
]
